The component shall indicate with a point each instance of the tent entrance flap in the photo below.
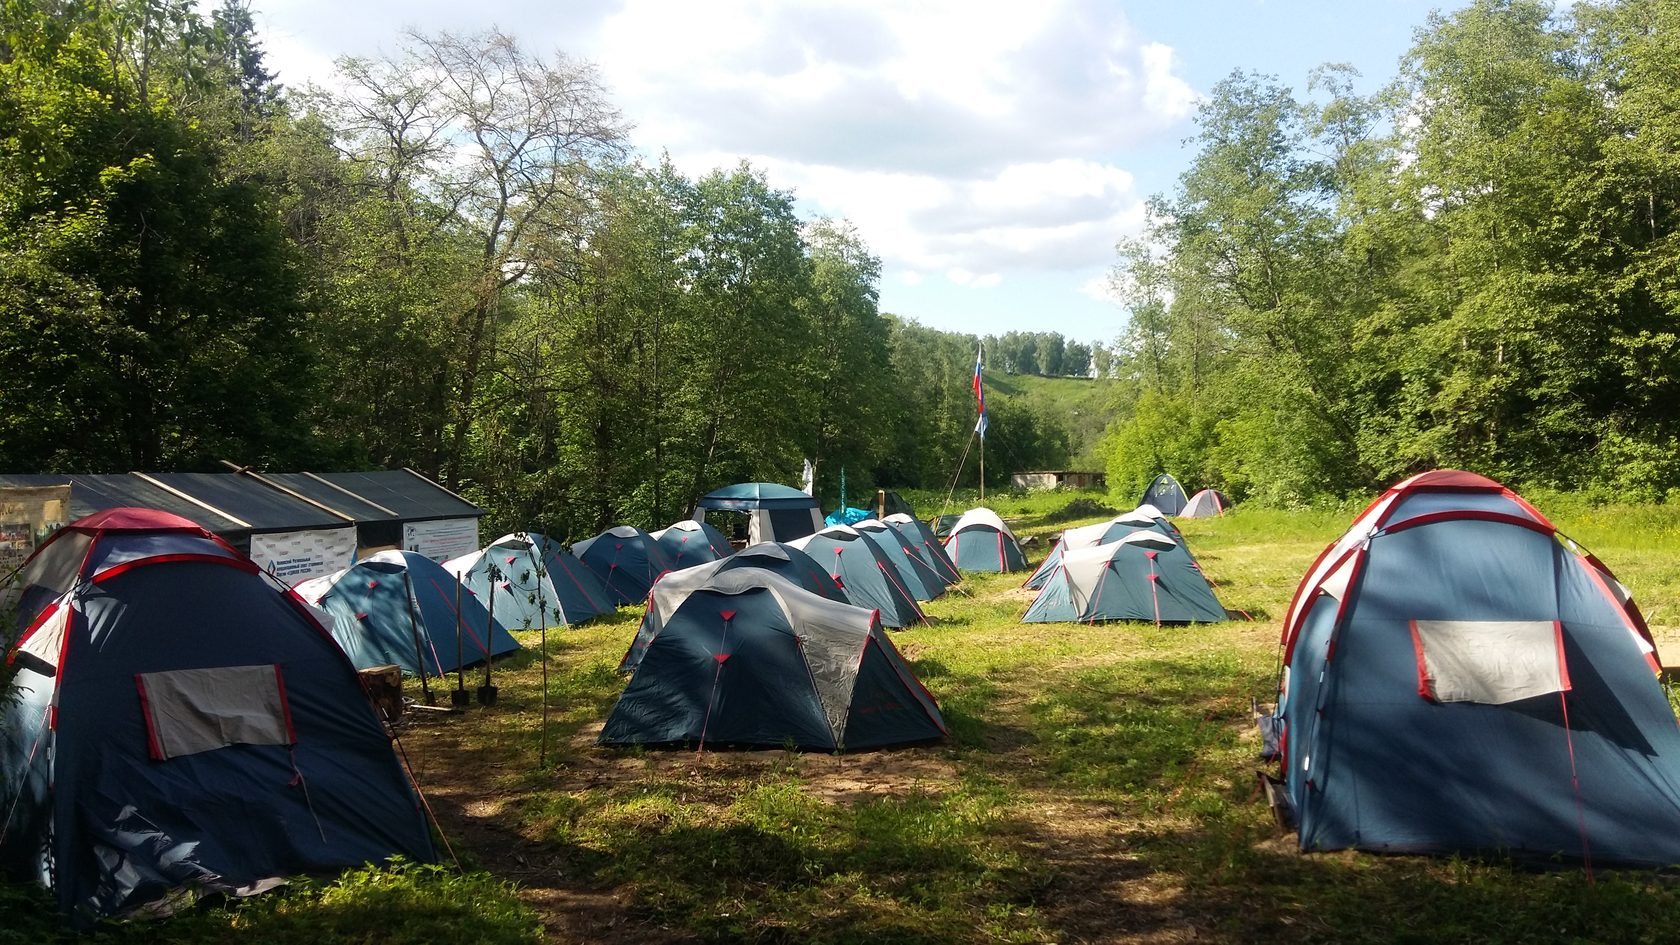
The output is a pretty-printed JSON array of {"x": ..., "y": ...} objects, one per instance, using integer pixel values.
[
  {"x": 192, "y": 710},
  {"x": 1489, "y": 661}
]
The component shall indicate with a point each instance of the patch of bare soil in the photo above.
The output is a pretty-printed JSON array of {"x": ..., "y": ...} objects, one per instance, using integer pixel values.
[
  {"x": 1102, "y": 892},
  {"x": 459, "y": 784}
]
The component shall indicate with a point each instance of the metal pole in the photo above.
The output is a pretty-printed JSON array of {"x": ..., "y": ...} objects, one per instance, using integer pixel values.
[{"x": 487, "y": 692}]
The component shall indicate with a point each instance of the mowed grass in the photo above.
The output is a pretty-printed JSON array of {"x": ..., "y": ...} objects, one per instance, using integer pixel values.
[{"x": 1099, "y": 785}]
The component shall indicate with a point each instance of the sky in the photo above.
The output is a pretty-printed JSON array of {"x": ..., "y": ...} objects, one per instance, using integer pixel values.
[{"x": 990, "y": 152}]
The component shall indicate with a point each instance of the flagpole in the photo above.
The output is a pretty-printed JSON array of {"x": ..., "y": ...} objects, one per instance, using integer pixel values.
[{"x": 982, "y": 469}]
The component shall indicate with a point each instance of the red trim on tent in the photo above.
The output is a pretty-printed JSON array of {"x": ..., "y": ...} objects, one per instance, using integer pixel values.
[
  {"x": 238, "y": 564},
  {"x": 153, "y": 746},
  {"x": 40, "y": 620},
  {"x": 1478, "y": 515},
  {"x": 1426, "y": 689},
  {"x": 1563, "y": 664},
  {"x": 1630, "y": 611},
  {"x": 285, "y": 706}
]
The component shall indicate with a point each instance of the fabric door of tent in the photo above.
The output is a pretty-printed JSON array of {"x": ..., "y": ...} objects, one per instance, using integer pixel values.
[
  {"x": 791, "y": 564},
  {"x": 923, "y": 581},
  {"x": 1166, "y": 494},
  {"x": 1142, "y": 576},
  {"x": 528, "y": 580},
  {"x": 626, "y": 559},
  {"x": 753, "y": 661},
  {"x": 395, "y": 602},
  {"x": 927, "y": 546},
  {"x": 1205, "y": 504},
  {"x": 690, "y": 543},
  {"x": 182, "y": 722},
  {"x": 980, "y": 541},
  {"x": 1494, "y": 690},
  {"x": 864, "y": 571}
]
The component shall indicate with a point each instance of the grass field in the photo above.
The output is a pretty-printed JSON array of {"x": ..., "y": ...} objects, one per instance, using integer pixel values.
[{"x": 1099, "y": 785}]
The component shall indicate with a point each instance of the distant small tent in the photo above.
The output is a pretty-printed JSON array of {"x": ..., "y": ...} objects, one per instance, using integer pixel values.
[
  {"x": 535, "y": 582},
  {"x": 1206, "y": 504},
  {"x": 980, "y": 541},
  {"x": 1144, "y": 575},
  {"x": 752, "y": 661},
  {"x": 1165, "y": 494},
  {"x": 775, "y": 512},
  {"x": 180, "y": 721},
  {"x": 691, "y": 543},
  {"x": 1461, "y": 679},
  {"x": 927, "y": 546},
  {"x": 923, "y": 580},
  {"x": 400, "y": 607},
  {"x": 789, "y": 563},
  {"x": 626, "y": 559},
  {"x": 863, "y": 569}
]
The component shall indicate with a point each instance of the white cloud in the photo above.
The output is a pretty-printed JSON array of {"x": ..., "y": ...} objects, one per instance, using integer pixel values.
[{"x": 981, "y": 139}]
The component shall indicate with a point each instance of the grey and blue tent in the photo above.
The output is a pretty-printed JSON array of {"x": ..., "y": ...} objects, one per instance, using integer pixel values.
[
  {"x": 863, "y": 569},
  {"x": 626, "y": 559},
  {"x": 774, "y": 512},
  {"x": 1207, "y": 503},
  {"x": 752, "y": 661},
  {"x": 1460, "y": 679},
  {"x": 528, "y": 580},
  {"x": 1090, "y": 536},
  {"x": 927, "y": 546},
  {"x": 689, "y": 543},
  {"x": 791, "y": 564},
  {"x": 180, "y": 721},
  {"x": 1143, "y": 575},
  {"x": 1164, "y": 493},
  {"x": 400, "y": 607},
  {"x": 924, "y": 582},
  {"x": 980, "y": 541}
]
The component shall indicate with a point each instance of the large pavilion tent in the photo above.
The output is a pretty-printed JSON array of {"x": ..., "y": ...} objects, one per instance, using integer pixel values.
[
  {"x": 752, "y": 661},
  {"x": 980, "y": 541},
  {"x": 689, "y": 543},
  {"x": 927, "y": 545},
  {"x": 528, "y": 580},
  {"x": 626, "y": 559},
  {"x": 1144, "y": 575},
  {"x": 1493, "y": 690},
  {"x": 181, "y": 722},
  {"x": 863, "y": 569},
  {"x": 924, "y": 582},
  {"x": 774, "y": 512},
  {"x": 403, "y": 608}
]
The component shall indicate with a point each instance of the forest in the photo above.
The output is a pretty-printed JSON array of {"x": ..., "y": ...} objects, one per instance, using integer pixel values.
[
  {"x": 457, "y": 259},
  {"x": 1477, "y": 266},
  {"x": 453, "y": 260}
]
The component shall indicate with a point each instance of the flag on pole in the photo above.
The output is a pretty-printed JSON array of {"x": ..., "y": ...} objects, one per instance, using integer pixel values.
[{"x": 979, "y": 394}]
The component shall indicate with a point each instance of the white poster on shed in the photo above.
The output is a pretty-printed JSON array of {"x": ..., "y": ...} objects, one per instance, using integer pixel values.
[
  {"x": 295, "y": 557},
  {"x": 442, "y": 539}
]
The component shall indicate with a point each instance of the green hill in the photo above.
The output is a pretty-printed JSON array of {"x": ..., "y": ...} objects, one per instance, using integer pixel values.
[{"x": 1082, "y": 403}]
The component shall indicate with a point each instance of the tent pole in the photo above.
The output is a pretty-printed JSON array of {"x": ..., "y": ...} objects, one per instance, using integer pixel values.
[
  {"x": 487, "y": 692},
  {"x": 542, "y": 615},
  {"x": 458, "y": 698},
  {"x": 414, "y": 628}
]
